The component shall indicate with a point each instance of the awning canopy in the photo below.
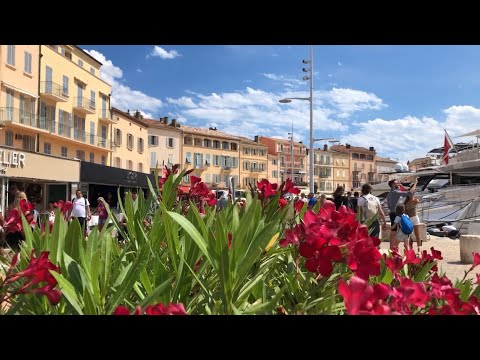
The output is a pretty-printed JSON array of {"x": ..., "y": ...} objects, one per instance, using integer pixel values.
[
  {"x": 107, "y": 175},
  {"x": 473, "y": 133}
]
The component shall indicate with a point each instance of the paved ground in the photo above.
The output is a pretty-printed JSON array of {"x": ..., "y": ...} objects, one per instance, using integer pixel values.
[{"x": 450, "y": 249}]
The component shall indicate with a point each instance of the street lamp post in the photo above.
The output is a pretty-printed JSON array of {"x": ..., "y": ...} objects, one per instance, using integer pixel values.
[
  {"x": 291, "y": 149},
  {"x": 310, "y": 99}
]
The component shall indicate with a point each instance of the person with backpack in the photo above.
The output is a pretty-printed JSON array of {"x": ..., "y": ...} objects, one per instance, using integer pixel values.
[
  {"x": 411, "y": 210},
  {"x": 368, "y": 206},
  {"x": 403, "y": 227}
]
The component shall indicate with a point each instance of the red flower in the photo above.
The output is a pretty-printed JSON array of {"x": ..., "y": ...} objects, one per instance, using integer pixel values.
[
  {"x": 436, "y": 254},
  {"x": 411, "y": 293},
  {"x": 65, "y": 207},
  {"x": 282, "y": 203},
  {"x": 395, "y": 262},
  {"x": 121, "y": 310},
  {"x": 288, "y": 187},
  {"x": 229, "y": 240},
  {"x": 266, "y": 189},
  {"x": 357, "y": 295},
  {"x": 171, "y": 309},
  {"x": 13, "y": 223},
  {"x": 476, "y": 260},
  {"x": 478, "y": 279},
  {"x": 38, "y": 271},
  {"x": 299, "y": 206},
  {"x": 411, "y": 257}
]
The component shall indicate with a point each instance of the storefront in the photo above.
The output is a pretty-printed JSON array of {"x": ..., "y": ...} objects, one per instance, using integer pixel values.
[
  {"x": 43, "y": 178},
  {"x": 98, "y": 180}
]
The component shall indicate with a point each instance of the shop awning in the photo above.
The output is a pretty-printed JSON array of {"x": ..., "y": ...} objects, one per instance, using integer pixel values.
[{"x": 106, "y": 175}]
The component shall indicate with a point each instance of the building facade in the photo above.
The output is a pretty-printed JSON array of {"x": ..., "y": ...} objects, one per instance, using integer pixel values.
[
  {"x": 214, "y": 156},
  {"x": 273, "y": 169},
  {"x": 130, "y": 136},
  {"x": 165, "y": 143},
  {"x": 74, "y": 116},
  {"x": 323, "y": 170},
  {"x": 341, "y": 170},
  {"x": 283, "y": 149},
  {"x": 362, "y": 163},
  {"x": 253, "y": 162},
  {"x": 385, "y": 169}
]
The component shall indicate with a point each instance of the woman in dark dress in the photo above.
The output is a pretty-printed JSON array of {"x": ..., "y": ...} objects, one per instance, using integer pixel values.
[{"x": 338, "y": 198}]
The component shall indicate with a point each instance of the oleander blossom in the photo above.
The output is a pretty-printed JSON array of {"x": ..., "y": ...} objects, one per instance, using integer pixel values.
[
  {"x": 13, "y": 222},
  {"x": 334, "y": 236},
  {"x": 159, "y": 309}
]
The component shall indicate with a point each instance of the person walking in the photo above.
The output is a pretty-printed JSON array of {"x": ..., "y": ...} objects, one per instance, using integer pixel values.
[
  {"x": 338, "y": 198},
  {"x": 411, "y": 210},
  {"x": 81, "y": 211}
]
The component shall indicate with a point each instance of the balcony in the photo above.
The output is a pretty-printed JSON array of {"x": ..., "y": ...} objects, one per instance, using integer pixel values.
[
  {"x": 226, "y": 168},
  {"x": 104, "y": 115},
  {"x": 53, "y": 91},
  {"x": 83, "y": 105},
  {"x": 11, "y": 115},
  {"x": 256, "y": 170}
]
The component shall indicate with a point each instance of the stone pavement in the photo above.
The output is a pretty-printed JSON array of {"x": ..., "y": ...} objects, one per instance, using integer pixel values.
[{"x": 450, "y": 249}]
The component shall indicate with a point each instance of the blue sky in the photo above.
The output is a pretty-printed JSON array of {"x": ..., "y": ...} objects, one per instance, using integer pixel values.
[{"x": 395, "y": 98}]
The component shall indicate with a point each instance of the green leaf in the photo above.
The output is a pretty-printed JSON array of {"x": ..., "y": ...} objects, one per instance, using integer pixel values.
[
  {"x": 68, "y": 291},
  {"x": 388, "y": 277},
  {"x": 122, "y": 275},
  {"x": 152, "y": 296}
]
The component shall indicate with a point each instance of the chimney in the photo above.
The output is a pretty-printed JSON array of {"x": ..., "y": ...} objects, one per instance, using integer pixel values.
[
  {"x": 165, "y": 120},
  {"x": 371, "y": 148},
  {"x": 128, "y": 111},
  {"x": 256, "y": 138},
  {"x": 138, "y": 115},
  {"x": 325, "y": 147},
  {"x": 174, "y": 122},
  {"x": 348, "y": 146}
]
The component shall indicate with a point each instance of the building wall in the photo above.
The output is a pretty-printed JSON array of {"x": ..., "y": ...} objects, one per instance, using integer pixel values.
[
  {"x": 253, "y": 163},
  {"x": 136, "y": 155},
  {"x": 273, "y": 169},
  {"x": 323, "y": 171},
  {"x": 61, "y": 117},
  {"x": 362, "y": 164},
  {"x": 213, "y": 174},
  {"x": 341, "y": 170},
  {"x": 19, "y": 96},
  {"x": 160, "y": 151}
]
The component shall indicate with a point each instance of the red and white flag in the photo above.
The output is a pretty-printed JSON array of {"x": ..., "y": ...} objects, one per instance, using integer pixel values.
[{"x": 447, "y": 146}]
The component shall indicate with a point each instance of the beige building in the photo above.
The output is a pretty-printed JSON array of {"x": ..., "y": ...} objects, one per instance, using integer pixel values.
[
  {"x": 165, "y": 143},
  {"x": 74, "y": 119},
  {"x": 341, "y": 170},
  {"x": 130, "y": 136},
  {"x": 323, "y": 170},
  {"x": 283, "y": 149},
  {"x": 273, "y": 168},
  {"x": 41, "y": 177},
  {"x": 253, "y": 162},
  {"x": 385, "y": 169},
  {"x": 213, "y": 154},
  {"x": 362, "y": 163}
]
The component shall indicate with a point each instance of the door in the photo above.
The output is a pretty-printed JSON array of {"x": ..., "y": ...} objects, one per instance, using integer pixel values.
[
  {"x": 79, "y": 95},
  {"x": 48, "y": 79}
]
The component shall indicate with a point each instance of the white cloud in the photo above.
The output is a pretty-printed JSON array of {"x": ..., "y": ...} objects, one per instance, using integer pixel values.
[
  {"x": 339, "y": 63},
  {"x": 283, "y": 78},
  {"x": 124, "y": 97},
  {"x": 349, "y": 101},
  {"x": 139, "y": 70},
  {"x": 183, "y": 101},
  {"x": 330, "y": 75},
  {"x": 164, "y": 54}
]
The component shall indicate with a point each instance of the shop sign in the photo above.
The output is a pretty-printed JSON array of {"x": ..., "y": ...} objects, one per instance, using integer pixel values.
[{"x": 10, "y": 158}]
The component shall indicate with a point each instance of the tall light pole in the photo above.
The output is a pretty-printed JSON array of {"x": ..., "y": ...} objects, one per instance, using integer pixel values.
[{"x": 310, "y": 99}]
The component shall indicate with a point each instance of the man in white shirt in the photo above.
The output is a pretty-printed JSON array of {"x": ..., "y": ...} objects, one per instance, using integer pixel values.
[
  {"x": 81, "y": 210},
  {"x": 368, "y": 206}
]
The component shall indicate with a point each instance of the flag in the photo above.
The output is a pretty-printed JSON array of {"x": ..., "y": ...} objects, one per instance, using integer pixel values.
[{"x": 447, "y": 146}]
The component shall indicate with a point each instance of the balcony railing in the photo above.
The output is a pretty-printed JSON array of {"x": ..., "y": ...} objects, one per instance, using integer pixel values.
[
  {"x": 84, "y": 104},
  {"x": 12, "y": 115},
  {"x": 53, "y": 91}
]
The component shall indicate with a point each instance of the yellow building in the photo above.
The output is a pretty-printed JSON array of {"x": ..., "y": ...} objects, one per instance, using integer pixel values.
[
  {"x": 213, "y": 154},
  {"x": 341, "y": 170},
  {"x": 41, "y": 177},
  {"x": 74, "y": 118},
  {"x": 130, "y": 136},
  {"x": 323, "y": 170},
  {"x": 273, "y": 168},
  {"x": 253, "y": 162},
  {"x": 164, "y": 144}
]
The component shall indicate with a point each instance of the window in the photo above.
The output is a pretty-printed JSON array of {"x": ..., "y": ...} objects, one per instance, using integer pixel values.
[
  {"x": 246, "y": 151},
  {"x": 371, "y": 167},
  {"x": 343, "y": 173},
  {"x": 92, "y": 70},
  {"x": 8, "y": 138},
  {"x": 153, "y": 159},
  {"x": 92, "y": 157},
  {"x": 355, "y": 156},
  {"x": 170, "y": 142},
  {"x": 207, "y": 178},
  {"x": 197, "y": 142},
  {"x": 140, "y": 145},
  {"x": 188, "y": 158},
  {"x": 234, "y": 162},
  {"x": 215, "y": 160},
  {"x": 80, "y": 155},
  {"x": 274, "y": 162},
  {"x": 216, "y": 144},
  {"x": 92, "y": 132},
  {"x": 64, "y": 151},
  {"x": 207, "y": 159},
  {"x": 152, "y": 140},
  {"x": 65, "y": 85},
  {"x": 80, "y": 63},
  {"x": 129, "y": 141},
  {"x": 355, "y": 167},
  {"x": 47, "y": 148},
  {"x": 186, "y": 178},
  {"x": 28, "y": 63},
  {"x": 92, "y": 99},
  {"x": 262, "y": 166},
  {"x": 370, "y": 157},
  {"x": 338, "y": 173},
  {"x": 104, "y": 160},
  {"x": 245, "y": 165},
  {"x": 254, "y": 152},
  {"x": 207, "y": 143},
  {"x": 224, "y": 145},
  {"x": 130, "y": 165},
  {"x": 104, "y": 107},
  {"x": 28, "y": 143},
  {"x": 170, "y": 159},
  {"x": 117, "y": 138},
  {"x": 233, "y": 146},
  {"x": 140, "y": 167},
  {"x": 187, "y": 140},
  {"x": 11, "y": 55},
  {"x": 281, "y": 147}
]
